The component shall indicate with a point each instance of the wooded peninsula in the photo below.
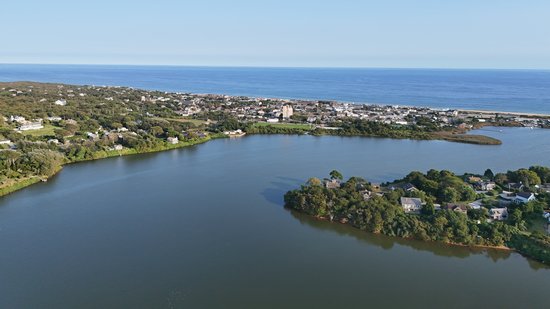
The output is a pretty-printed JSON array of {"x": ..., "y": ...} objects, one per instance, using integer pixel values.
[{"x": 504, "y": 210}]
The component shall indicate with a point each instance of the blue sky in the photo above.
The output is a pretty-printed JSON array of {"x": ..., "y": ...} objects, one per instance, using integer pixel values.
[{"x": 343, "y": 33}]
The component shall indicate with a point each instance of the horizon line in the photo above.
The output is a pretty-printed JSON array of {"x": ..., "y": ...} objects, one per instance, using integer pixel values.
[{"x": 275, "y": 67}]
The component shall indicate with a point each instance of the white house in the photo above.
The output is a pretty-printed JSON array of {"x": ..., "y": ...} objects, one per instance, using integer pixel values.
[
  {"x": 524, "y": 197},
  {"x": 5, "y": 142},
  {"x": 61, "y": 102},
  {"x": 411, "y": 204},
  {"x": 29, "y": 125},
  {"x": 332, "y": 183},
  {"x": 173, "y": 140},
  {"x": 498, "y": 214}
]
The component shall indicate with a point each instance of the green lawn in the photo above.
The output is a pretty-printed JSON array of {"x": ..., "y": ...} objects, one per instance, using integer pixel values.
[
  {"x": 285, "y": 125},
  {"x": 46, "y": 130}
]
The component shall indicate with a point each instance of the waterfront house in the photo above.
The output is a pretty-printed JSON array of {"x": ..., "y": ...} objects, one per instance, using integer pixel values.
[
  {"x": 524, "y": 197},
  {"x": 411, "y": 204},
  {"x": 173, "y": 140},
  {"x": 498, "y": 214}
]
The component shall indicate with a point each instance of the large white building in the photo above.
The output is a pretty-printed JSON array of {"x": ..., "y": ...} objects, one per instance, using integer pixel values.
[
  {"x": 29, "y": 125},
  {"x": 287, "y": 111}
]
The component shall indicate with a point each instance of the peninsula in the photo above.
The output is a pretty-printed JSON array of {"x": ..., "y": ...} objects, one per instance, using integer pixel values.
[
  {"x": 504, "y": 210},
  {"x": 44, "y": 126}
]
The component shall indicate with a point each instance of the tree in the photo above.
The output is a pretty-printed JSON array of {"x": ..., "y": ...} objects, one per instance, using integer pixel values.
[
  {"x": 428, "y": 209},
  {"x": 489, "y": 174},
  {"x": 313, "y": 181},
  {"x": 516, "y": 216},
  {"x": 501, "y": 178},
  {"x": 449, "y": 195},
  {"x": 336, "y": 175},
  {"x": 468, "y": 194},
  {"x": 542, "y": 171},
  {"x": 157, "y": 131},
  {"x": 525, "y": 176}
]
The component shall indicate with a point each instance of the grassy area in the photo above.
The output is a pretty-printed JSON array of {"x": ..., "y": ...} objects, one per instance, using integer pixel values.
[
  {"x": 14, "y": 185},
  {"x": 302, "y": 126},
  {"x": 47, "y": 130},
  {"x": 467, "y": 138},
  {"x": 196, "y": 122}
]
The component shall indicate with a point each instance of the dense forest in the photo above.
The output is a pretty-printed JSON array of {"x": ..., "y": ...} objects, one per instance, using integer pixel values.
[{"x": 377, "y": 208}]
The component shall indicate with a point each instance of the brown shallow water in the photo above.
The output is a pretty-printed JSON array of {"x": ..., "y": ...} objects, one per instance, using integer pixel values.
[{"x": 204, "y": 227}]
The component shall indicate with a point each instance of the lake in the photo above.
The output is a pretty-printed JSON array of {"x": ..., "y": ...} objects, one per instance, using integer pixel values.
[
  {"x": 501, "y": 90},
  {"x": 205, "y": 227}
]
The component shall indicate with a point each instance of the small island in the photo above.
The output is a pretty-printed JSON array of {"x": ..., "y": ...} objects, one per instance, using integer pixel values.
[{"x": 505, "y": 210}]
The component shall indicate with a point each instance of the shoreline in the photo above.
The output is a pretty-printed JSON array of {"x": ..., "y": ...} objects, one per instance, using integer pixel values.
[
  {"x": 27, "y": 182},
  {"x": 297, "y": 99},
  {"x": 503, "y": 248}
]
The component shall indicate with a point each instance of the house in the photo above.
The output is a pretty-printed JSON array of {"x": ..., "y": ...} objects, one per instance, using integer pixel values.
[
  {"x": 545, "y": 187},
  {"x": 498, "y": 214},
  {"x": 332, "y": 183},
  {"x": 411, "y": 204},
  {"x": 54, "y": 119},
  {"x": 5, "y": 142},
  {"x": 29, "y": 125},
  {"x": 515, "y": 186},
  {"x": 237, "y": 133},
  {"x": 474, "y": 179},
  {"x": 460, "y": 208},
  {"x": 173, "y": 140},
  {"x": 366, "y": 194},
  {"x": 61, "y": 102},
  {"x": 407, "y": 187},
  {"x": 476, "y": 204},
  {"x": 524, "y": 197},
  {"x": 506, "y": 197},
  {"x": 273, "y": 120},
  {"x": 486, "y": 185}
]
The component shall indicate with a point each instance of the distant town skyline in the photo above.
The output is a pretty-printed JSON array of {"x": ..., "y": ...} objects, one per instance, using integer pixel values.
[{"x": 393, "y": 34}]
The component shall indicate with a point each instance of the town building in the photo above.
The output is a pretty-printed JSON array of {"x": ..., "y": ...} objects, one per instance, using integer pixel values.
[{"x": 287, "y": 111}]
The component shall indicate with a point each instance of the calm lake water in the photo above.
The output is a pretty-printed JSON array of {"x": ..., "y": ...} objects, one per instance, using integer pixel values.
[
  {"x": 503, "y": 90},
  {"x": 205, "y": 227}
]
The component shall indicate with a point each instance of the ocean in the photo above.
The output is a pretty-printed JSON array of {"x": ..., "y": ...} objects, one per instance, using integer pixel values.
[{"x": 500, "y": 90}]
